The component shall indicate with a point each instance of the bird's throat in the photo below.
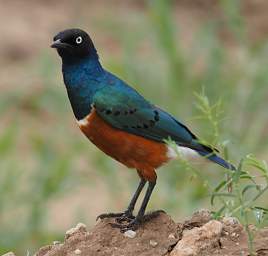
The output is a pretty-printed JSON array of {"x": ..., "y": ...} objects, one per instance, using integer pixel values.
[{"x": 82, "y": 81}]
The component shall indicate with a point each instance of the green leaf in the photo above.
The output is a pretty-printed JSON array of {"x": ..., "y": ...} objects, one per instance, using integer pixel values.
[
  {"x": 221, "y": 185},
  {"x": 251, "y": 186},
  {"x": 265, "y": 210},
  {"x": 238, "y": 172},
  {"x": 214, "y": 195}
]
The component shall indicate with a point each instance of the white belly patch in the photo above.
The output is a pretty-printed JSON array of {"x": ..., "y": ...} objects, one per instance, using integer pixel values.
[
  {"x": 84, "y": 122},
  {"x": 183, "y": 152}
]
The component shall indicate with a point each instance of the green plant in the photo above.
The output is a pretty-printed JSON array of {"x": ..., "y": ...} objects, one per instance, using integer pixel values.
[
  {"x": 242, "y": 193},
  {"x": 245, "y": 199}
]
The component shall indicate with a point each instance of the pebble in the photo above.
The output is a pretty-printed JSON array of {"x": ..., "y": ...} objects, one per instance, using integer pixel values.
[
  {"x": 56, "y": 242},
  {"x": 77, "y": 252},
  {"x": 230, "y": 221},
  {"x": 171, "y": 236},
  {"x": 130, "y": 233},
  {"x": 153, "y": 243},
  {"x": 79, "y": 227}
]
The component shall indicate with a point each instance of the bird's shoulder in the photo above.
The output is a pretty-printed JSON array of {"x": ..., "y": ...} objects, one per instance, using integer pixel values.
[{"x": 116, "y": 92}]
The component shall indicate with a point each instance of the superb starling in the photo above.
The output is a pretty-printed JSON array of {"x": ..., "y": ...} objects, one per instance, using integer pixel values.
[{"x": 122, "y": 123}]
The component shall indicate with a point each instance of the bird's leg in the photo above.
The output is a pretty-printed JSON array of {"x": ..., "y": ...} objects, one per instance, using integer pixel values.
[
  {"x": 133, "y": 224},
  {"x": 128, "y": 213}
]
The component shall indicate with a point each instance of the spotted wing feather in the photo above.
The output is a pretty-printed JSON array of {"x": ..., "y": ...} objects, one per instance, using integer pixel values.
[{"x": 130, "y": 112}]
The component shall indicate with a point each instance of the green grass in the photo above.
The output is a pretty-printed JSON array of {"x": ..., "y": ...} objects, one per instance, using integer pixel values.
[{"x": 224, "y": 102}]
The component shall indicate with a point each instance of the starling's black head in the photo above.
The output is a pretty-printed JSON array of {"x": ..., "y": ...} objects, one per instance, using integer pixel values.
[{"x": 73, "y": 45}]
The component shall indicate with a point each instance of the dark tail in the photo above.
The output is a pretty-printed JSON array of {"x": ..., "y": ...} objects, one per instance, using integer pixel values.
[{"x": 218, "y": 160}]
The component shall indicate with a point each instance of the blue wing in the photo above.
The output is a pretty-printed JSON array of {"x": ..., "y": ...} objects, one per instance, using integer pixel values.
[
  {"x": 128, "y": 111},
  {"x": 125, "y": 109}
]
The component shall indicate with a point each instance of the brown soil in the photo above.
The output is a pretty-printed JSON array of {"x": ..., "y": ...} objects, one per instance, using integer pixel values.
[{"x": 162, "y": 236}]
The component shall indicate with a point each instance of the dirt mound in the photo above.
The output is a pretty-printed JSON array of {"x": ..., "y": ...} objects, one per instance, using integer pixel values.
[{"x": 199, "y": 235}]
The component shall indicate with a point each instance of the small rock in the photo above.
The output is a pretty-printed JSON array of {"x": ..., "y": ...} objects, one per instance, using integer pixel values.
[
  {"x": 230, "y": 221},
  {"x": 199, "y": 218},
  {"x": 171, "y": 236},
  {"x": 130, "y": 233},
  {"x": 233, "y": 234},
  {"x": 153, "y": 243},
  {"x": 79, "y": 227},
  {"x": 9, "y": 254},
  {"x": 44, "y": 250},
  {"x": 77, "y": 252},
  {"x": 56, "y": 242},
  {"x": 195, "y": 240}
]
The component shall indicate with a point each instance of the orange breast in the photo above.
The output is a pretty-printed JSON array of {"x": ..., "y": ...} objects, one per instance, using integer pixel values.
[{"x": 131, "y": 150}]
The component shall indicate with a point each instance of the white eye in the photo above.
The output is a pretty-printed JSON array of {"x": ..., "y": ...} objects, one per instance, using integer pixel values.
[{"x": 79, "y": 40}]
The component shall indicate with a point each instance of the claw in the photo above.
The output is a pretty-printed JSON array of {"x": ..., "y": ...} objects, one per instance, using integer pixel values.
[
  {"x": 126, "y": 217},
  {"x": 109, "y": 215},
  {"x": 119, "y": 217},
  {"x": 133, "y": 225}
]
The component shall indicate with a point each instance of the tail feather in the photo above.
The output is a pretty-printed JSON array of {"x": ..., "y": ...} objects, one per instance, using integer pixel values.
[{"x": 218, "y": 160}]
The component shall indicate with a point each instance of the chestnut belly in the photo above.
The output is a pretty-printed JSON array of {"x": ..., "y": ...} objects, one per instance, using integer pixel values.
[{"x": 129, "y": 149}]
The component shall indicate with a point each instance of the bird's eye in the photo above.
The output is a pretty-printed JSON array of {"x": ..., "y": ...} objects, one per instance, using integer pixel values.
[{"x": 79, "y": 40}]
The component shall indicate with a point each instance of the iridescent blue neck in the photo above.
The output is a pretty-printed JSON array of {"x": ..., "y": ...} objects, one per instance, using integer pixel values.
[
  {"x": 85, "y": 68},
  {"x": 82, "y": 79}
]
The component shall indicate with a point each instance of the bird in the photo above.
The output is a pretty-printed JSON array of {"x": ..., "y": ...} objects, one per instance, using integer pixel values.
[{"x": 122, "y": 123}]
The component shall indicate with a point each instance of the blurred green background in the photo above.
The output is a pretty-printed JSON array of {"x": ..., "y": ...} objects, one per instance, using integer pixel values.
[{"x": 51, "y": 177}]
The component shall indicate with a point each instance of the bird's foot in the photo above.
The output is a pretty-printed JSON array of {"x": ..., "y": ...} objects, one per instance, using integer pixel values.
[
  {"x": 119, "y": 217},
  {"x": 127, "y": 216},
  {"x": 134, "y": 223}
]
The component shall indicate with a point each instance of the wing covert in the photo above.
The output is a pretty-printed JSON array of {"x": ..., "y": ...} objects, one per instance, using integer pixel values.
[{"x": 133, "y": 114}]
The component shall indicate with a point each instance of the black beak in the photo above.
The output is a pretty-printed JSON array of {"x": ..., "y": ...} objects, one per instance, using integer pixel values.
[{"x": 57, "y": 44}]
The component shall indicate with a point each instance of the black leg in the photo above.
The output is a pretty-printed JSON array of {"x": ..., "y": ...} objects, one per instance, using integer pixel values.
[
  {"x": 136, "y": 196},
  {"x": 139, "y": 218},
  {"x": 128, "y": 214},
  {"x": 146, "y": 199}
]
